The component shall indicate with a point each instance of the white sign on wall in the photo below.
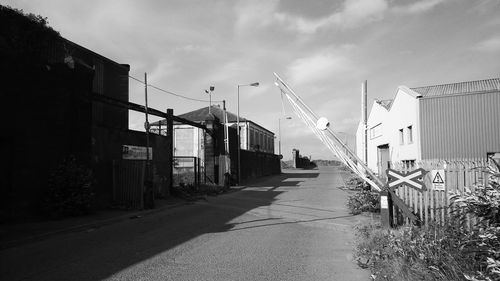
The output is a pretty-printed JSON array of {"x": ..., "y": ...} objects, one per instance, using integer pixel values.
[
  {"x": 131, "y": 152},
  {"x": 438, "y": 179},
  {"x": 384, "y": 204}
]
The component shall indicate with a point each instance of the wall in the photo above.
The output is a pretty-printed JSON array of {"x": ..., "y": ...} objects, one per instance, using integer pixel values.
[
  {"x": 460, "y": 126},
  {"x": 403, "y": 113},
  {"x": 46, "y": 119},
  {"x": 378, "y": 116},
  {"x": 256, "y": 164},
  {"x": 107, "y": 146}
]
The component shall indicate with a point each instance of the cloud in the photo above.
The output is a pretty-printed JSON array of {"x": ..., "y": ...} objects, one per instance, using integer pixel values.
[
  {"x": 319, "y": 67},
  {"x": 417, "y": 7},
  {"x": 353, "y": 13},
  {"x": 489, "y": 45}
]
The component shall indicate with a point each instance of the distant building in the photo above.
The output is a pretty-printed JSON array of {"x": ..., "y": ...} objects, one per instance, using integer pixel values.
[
  {"x": 187, "y": 139},
  {"x": 207, "y": 147},
  {"x": 443, "y": 122}
]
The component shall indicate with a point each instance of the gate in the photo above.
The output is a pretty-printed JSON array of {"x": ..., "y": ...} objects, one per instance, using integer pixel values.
[
  {"x": 187, "y": 171},
  {"x": 432, "y": 204},
  {"x": 128, "y": 188}
]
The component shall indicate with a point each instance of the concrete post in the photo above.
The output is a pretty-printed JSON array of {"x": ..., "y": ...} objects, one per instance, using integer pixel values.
[{"x": 386, "y": 209}]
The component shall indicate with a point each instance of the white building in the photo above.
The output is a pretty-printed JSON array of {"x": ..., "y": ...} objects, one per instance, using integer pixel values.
[{"x": 447, "y": 122}]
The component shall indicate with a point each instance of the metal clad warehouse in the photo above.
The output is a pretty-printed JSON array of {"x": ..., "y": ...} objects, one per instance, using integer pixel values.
[{"x": 461, "y": 120}]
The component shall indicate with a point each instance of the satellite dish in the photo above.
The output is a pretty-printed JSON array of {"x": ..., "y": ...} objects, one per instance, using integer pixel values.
[{"x": 322, "y": 123}]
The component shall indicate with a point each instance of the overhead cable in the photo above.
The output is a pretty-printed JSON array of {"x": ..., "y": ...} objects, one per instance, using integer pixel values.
[{"x": 169, "y": 92}]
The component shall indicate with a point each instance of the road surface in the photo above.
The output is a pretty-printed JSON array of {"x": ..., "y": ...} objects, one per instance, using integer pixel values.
[{"x": 289, "y": 227}]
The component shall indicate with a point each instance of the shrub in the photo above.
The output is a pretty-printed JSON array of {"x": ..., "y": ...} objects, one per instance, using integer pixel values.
[
  {"x": 69, "y": 190},
  {"x": 456, "y": 251},
  {"x": 363, "y": 201}
]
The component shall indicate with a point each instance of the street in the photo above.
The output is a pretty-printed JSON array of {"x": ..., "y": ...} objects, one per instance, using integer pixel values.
[{"x": 293, "y": 226}]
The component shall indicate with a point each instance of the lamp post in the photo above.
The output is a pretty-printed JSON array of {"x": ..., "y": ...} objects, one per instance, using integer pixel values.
[
  {"x": 212, "y": 88},
  {"x": 279, "y": 133},
  {"x": 255, "y": 84}
]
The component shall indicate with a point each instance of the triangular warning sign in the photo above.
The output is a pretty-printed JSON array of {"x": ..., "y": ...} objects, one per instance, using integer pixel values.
[{"x": 437, "y": 178}]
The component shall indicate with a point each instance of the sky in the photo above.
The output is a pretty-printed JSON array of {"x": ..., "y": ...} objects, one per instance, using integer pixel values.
[{"x": 324, "y": 49}]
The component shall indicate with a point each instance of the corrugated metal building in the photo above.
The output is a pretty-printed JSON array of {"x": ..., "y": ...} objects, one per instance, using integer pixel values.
[
  {"x": 448, "y": 122},
  {"x": 460, "y": 120}
]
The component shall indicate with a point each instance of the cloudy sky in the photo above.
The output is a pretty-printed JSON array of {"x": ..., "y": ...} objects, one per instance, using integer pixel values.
[{"x": 323, "y": 48}]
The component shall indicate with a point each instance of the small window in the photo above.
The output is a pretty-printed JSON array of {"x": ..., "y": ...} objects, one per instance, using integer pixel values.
[
  {"x": 401, "y": 137},
  {"x": 376, "y": 131},
  {"x": 410, "y": 134}
]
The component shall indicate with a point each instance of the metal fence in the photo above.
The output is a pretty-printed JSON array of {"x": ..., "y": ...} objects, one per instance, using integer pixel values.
[
  {"x": 128, "y": 183},
  {"x": 187, "y": 170},
  {"x": 433, "y": 205}
]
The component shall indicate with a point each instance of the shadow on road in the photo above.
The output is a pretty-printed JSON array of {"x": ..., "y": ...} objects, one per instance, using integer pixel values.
[
  {"x": 101, "y": 253},
  {"x": 286, "y": 179},
  {"x": 235, "y": 228}
]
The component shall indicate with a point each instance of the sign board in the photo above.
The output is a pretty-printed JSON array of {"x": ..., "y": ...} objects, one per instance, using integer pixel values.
[
  {"x": 438, "y": 179},
  {"x": 384, "y": 204},
  {"x": 411, "y": 179},
  {"x": 131, "y": 152}
]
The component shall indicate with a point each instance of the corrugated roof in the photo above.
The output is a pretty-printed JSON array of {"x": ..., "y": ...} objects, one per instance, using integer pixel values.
[{"x": 469, "y": 87}]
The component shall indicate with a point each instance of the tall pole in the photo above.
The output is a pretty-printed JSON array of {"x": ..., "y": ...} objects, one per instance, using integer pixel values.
[
  {"x": 239, "y": 138},
  {"x": 365, "y": 119},
  {"x": 279, "y": 136},
  {"x": 148, "y": 168},
  {"x": 146, "y": 125},
  {"x": 255, "y": 84}
]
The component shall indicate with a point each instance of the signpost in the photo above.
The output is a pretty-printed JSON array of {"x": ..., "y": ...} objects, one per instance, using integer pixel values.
[
  {"x": 438, "y": 180},
  {"x": 131, "y": 152},
  {"x": 397, "y": 179},
  {"x": 411, "y": 179}
]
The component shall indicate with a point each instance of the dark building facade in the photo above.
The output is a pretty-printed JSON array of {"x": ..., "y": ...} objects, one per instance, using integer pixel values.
[{"x": 49, "y": 114}]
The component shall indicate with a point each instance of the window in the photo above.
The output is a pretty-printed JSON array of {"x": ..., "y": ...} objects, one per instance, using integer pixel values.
[
  {"x": 376, "y": 131},
  {"x": 401, "y": 137},
  {"x": 410, "y": 134}
]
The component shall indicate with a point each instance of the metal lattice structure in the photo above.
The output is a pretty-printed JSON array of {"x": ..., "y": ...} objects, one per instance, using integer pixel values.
[{"x": 321, "y": 129}]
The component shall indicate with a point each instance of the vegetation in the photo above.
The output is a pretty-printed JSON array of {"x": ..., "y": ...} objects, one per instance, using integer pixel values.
[
  {"x": 23, "y": 39},
  {"x": 456, "y": 251},
  {"x": 363, "y": 201},
  {"x": 69, "y": 190}
]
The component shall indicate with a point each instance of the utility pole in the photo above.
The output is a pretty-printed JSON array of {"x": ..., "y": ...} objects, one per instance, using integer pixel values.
[
  {"x": 364, "y": 117},
  {"x": 148, "y": 184}
]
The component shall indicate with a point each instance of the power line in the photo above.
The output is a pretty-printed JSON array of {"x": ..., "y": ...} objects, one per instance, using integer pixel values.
[{"x": 169, "y": 92}]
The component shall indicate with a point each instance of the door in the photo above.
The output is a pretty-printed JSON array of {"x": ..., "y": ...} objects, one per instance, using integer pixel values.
[{"x": 383, "y": 160}]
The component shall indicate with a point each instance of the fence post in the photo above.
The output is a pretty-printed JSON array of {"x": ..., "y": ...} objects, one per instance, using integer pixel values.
[
  {"x": 386, "y": 209},
  {"x": 170, "y": 158}
]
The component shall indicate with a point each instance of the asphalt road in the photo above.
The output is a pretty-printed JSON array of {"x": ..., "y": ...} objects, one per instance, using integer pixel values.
[{"x": 289, "y": 227}]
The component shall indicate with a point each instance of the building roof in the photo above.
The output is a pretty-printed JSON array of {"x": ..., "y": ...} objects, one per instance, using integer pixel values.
[
  {"x": 469, "y": 87},
  {"x": 385, "y": 103},
  {"x": 202, "y": 113}
]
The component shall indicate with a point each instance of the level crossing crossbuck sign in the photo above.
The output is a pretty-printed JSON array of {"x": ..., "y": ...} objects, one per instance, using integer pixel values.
[{"x": 411, "y": 179}]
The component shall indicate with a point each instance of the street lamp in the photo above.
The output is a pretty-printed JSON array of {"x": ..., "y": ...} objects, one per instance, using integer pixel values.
[
  {"x": 255, "y": 84},
  {"x": 279, "y": 133},
  {"x": 212, "y": 88}
]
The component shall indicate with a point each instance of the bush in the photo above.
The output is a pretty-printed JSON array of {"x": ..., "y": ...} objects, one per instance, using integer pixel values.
[
  {"x": 363, "y": 201},
  {"x": 411, "y": 253},
  {"x": 69, "y": 190},
  {"x": 452, "y": 252}
]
